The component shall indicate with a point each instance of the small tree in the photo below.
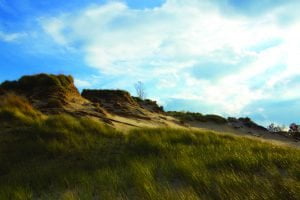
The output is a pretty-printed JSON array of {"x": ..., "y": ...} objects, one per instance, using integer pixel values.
[
  {"x": 140, "y": 90},
  {"x": 275, "y": 129},
  {"x": 271, "y": 128},
  {"x": 294, "y": 128}
]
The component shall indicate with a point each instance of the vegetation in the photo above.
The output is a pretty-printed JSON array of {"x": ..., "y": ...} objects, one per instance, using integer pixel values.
[
  {"x": 47, "y": 90},
  {"x": 16, "y": 110},
  {"x": 191, "y": 116},
  {"x": 62, "y": 157},
  {"x": 275, "y": 128},
  {"x": 140, "y": 90},
  {"x": 26, "y": 83},
  {"x": 148, "y": 102},
  {"x": 293, "y": 132}
]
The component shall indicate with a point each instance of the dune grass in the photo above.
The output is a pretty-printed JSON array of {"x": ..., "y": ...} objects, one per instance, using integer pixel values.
[
  {"x": 191, "y": 116},
  {"x": 27, "y": 83},
  {"x": 16, "y": 110},
  {"x": 62, "y": 157}
]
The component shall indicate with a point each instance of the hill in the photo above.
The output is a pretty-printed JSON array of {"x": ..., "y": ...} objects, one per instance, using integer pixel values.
[
  {"x": 106, "y": 144},
  {"x": 116, "y": 102},
  {"x": 57, "y": 94},
  {"x": 64, "y": 157},
  {"x": 52, "y": 94}
]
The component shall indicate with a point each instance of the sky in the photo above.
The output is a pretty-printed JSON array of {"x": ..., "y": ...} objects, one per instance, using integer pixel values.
[{"x": 227, "y": 57}]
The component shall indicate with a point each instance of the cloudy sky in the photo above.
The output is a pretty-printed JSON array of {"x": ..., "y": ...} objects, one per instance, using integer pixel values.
[{"x": 229, "y": 57}]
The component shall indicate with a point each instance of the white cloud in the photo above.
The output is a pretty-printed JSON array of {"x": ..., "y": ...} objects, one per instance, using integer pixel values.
[
  {"x": 82, "y": 83},
  {"x": 11, "y": 37},
  {"x": 54, "y": 27},
  {"x": 164, "y": 43}
]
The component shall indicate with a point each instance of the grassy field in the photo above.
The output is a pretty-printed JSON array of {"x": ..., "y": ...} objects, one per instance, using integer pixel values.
[{"x": 62, "y": 157}]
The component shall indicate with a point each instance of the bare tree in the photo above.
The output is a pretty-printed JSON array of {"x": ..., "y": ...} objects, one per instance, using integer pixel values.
[{"x": 140, "y": 90}]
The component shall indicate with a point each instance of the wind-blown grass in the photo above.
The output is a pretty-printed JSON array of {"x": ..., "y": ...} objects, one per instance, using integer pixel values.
[
  {"x": 62, "y": 157},
  {"x": 16, "y": 110}
]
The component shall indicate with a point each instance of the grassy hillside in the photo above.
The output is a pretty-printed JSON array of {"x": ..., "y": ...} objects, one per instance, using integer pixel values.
[
  {"x": 190, "y": 116},
  {"x": 61, "y": 157}
]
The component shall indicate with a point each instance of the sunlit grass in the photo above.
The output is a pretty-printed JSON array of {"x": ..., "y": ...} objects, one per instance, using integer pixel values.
[
  {"x": 17, "y": 110},
  {"x": 62, "y": 157}
]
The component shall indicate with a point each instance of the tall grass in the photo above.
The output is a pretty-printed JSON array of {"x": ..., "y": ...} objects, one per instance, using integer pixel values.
[
  {"x": 62, "y": 157},
  {"x": 17, "y": 110}
]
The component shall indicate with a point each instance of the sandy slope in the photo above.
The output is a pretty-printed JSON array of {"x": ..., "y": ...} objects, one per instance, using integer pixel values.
[
  {"x": 159, "y": 120},
  {"x": 245, "y": 132}
]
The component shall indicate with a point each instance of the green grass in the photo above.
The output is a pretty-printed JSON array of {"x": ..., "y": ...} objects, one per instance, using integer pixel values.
[
  {"x": 61, "y": 157},
  {"x": 16, "y": 110},
  {"x": 191, "y": 116}
]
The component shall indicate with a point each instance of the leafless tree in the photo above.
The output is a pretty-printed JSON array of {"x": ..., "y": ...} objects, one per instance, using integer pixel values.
[{"x": 140, "y": 90}]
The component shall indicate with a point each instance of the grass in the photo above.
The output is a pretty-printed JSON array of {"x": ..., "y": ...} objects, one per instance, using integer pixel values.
[
  {"x": 191, "y": 116},
  {"x": 61, "y": 157},
  {"x": 49, "y": 90},
  {"x": 42, "y": 80},
  {"x": 16, "y": 110}
]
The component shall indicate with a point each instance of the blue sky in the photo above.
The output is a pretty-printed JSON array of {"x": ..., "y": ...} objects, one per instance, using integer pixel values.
[{"x": 228, "y": 57}]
